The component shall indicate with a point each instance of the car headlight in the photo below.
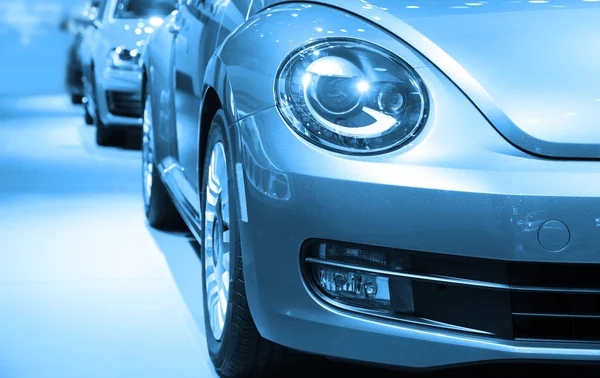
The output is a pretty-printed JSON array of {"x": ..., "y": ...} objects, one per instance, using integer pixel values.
[
  {"x": 122, "y": 59},
  {"x": 351, "y": 96}
]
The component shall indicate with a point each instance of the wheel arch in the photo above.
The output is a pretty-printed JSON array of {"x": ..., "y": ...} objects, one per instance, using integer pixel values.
[
  {"x": 242, "y": 73},
  {"x": 211, "y": 103}
]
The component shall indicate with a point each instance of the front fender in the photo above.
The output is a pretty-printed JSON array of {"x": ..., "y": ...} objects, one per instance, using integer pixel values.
[{"x": 244, "y": 67}]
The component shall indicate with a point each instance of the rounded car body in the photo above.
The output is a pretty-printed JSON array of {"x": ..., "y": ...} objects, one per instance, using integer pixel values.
[{"x": 455, "y": 222}]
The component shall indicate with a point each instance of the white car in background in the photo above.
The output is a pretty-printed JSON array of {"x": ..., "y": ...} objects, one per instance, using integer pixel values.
[{"x": 110, "y": 62}]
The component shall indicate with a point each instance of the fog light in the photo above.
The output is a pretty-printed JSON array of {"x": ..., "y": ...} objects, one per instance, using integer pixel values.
[
  {"x": 339, "y": 283},
  {"x": 338, "y": 274}
]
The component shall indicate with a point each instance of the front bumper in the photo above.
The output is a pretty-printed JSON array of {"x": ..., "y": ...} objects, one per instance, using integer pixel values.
[
  {"x": 119, "y": 98},
  {"x": 459, "y": 189}
]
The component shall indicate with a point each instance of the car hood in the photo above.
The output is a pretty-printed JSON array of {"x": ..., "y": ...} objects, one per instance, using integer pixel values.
[
  {"x": 130, "y": 33},
  {"x": 532, "y": 68}
]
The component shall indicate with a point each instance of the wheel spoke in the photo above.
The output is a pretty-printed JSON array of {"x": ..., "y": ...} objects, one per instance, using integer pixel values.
[
  {"x": 223, "y": 299},
  {"x": 213, "y": 185},
  {"x": 211, "y": 200},
  {"x": 147, "y": 151},
  {"x": 214, "y": 298},
  {"x": 221, "y": 317},
  {"x": 226, "y": 233},
  {"x": 216, "y": 241},
  {"x": 225, "y": 278},
  {"x": 226, "y": 261}
]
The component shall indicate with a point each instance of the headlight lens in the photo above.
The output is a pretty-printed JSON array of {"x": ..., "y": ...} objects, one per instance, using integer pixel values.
[
  {"x": 351, "y": 96},
  {"x": 122, "y": 59}
]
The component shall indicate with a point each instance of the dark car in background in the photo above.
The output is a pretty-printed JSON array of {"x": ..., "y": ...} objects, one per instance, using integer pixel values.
[
  {"x": 74, "y": 70},
  {"x": 112, "y": 74}
]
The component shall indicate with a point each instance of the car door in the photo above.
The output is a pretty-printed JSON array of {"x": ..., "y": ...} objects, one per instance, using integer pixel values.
[
  {"x": 196, "y": 29},
  {"x": 159, "y": 66}
]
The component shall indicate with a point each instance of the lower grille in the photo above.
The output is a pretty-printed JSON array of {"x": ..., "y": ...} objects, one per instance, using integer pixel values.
[
  {"x": 125, "y": 104},
  {"x": 510, "y": 300},
  {"x": 556, "y": 316}
]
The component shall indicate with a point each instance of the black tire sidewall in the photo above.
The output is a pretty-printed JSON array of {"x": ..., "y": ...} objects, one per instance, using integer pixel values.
[
  {"x": 89, "y": 120},
  {"x": 160, "y": 211},
  {"x": 97, "y": 120},
  {"x": 219, "y": 350},
  {"x": 103, "y": 135}
]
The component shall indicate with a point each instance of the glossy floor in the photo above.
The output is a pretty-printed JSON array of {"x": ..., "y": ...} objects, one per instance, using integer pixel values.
[{"x": 86, "y": 288}]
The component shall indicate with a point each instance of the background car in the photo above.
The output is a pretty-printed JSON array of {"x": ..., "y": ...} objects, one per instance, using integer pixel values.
[
  {"x": 74, "y": 71},
  {"x": 110, "y": 56},
  {"x": 357, "y": 176}
]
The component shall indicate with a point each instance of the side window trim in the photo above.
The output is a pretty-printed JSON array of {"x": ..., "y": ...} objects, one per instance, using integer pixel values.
[{"x": 102, "y": 10}]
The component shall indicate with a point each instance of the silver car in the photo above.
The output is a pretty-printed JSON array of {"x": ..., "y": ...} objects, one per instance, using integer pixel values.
[
  {"x": 110, "y": 59},
  {"x": 410, "y": 183}
]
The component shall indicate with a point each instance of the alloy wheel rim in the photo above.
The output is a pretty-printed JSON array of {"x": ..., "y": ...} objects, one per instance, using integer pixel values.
[
  {"x": 147, "y": 151},
  {"x": 216, "y": 241}
]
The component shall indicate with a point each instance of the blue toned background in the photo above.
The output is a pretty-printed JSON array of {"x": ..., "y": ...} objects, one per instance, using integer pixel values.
[
  {"x": 33, "y": 49},
  {"x": 87, "y": 289}
]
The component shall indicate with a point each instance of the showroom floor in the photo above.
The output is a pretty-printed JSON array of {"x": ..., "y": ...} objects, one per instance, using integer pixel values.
[{"x": 86, "y": 288}]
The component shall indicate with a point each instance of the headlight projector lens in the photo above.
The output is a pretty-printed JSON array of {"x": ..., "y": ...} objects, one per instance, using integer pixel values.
[{"x": 351, "y": 97}]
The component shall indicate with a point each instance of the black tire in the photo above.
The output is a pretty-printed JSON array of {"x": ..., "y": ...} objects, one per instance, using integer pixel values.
[
  {"x": 104, "y": 135},
  {"x": 160, "y": 210},
  {"x": 241, "y": 352},
  {"x": 76, "y": 99},
  {"x": 89, "y": 120}
]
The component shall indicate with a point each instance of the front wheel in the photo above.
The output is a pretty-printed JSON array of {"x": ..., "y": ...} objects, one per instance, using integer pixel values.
[
  {"x": 160, "y": 211},
  {"x": 235, "y": 346}
]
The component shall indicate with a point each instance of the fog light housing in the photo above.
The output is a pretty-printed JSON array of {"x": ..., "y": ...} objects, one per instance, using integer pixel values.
[
  {"x": 356, "y": 277},
  {"x": 356, "y": 288}
]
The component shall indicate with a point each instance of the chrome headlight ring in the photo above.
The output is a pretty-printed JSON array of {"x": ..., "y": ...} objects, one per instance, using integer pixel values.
[{"x": 351, "y": 96}]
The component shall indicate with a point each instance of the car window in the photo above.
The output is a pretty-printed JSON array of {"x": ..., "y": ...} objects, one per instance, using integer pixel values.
[
  {"x": 99, "y": 6},
  {"x": 143, "y": 8},
  {"x": 194, "y": 4}
]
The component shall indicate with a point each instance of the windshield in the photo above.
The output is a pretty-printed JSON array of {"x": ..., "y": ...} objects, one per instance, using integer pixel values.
[{"x": 143, "y": 8}]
